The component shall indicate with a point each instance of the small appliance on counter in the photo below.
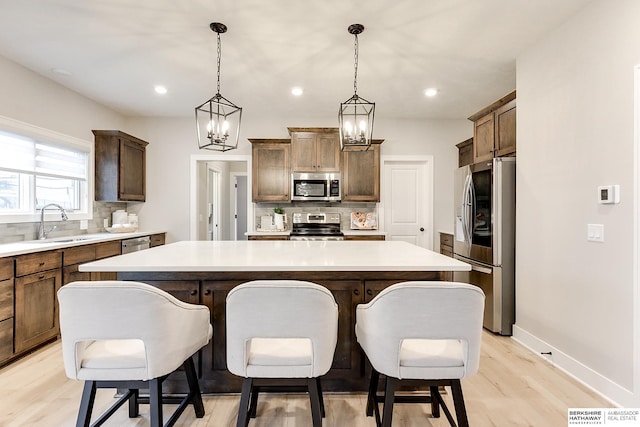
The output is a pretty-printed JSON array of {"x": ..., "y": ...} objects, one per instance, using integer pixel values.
[
  {"x": 121, "y": 222},
  {"x": 266, "y": 223}
]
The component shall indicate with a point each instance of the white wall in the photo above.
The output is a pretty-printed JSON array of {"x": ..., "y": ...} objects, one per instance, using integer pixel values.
[
  {"x": 172, "y": 142},
  {"x": 575, "y": 132},
  {"x": 33, "y": 99}
]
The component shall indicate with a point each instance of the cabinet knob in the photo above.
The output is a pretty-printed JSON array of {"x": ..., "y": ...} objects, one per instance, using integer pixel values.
[
  {"x": 207, "y": 292},
  {"x": 356, "y": 291},
  {"x": 421, "y": 228},
  {"x": 369, "y": 292},
  {"x": 41, "y": 263},
  {"x": 193, "y": 292}
]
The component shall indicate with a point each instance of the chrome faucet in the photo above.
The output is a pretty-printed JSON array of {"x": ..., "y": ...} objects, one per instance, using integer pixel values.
[{"x": 42, "y": 234}]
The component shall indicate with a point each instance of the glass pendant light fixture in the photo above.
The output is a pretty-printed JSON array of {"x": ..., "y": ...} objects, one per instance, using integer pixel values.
[
  {"x": 356, "y": 113},
  {"x": 218, "y": 119}
]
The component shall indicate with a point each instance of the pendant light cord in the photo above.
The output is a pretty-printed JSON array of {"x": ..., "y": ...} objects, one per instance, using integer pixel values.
[
  {"x": 355, "y": 67},
  {"x": 219, "y": 55}
]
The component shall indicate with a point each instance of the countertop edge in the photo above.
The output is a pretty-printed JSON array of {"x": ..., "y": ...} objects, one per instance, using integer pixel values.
[{"x": 34, "y": 246}]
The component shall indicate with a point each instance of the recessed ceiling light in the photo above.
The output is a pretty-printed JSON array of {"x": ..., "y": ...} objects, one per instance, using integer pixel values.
[
  {"x": 61, "y": 71},
  {"x": 297, "y": 91},
  {"x": 160, "y": 89},
  {"x": 432, "y": 91}
]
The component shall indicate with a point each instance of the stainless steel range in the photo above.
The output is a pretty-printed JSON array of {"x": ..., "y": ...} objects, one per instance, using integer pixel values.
[{"x": 316, "y": 226}]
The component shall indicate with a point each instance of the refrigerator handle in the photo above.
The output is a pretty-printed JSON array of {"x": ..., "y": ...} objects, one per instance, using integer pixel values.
[
  {"x": 467, "y": 209},
  {"x": 472, "y": 207}
]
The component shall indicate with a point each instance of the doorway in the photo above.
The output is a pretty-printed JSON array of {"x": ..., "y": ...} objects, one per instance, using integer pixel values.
[
  {"x": 219, "y": 214},
  {"x": 407, "y": 199}
]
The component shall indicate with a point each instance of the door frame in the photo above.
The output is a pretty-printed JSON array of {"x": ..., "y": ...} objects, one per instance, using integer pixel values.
[
  {"x": 234, "y": 201},
  {"x": 194, "y": 187},
  {"x": 427, "y": 160}
]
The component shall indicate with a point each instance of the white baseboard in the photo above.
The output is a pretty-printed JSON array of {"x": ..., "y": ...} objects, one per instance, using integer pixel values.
[{"x": 616, "y": 394}]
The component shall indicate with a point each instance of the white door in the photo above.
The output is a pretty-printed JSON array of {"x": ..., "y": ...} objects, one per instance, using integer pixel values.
[
  {"x": 407, "y": 198},
  {"x": 239, "y": 203},
  {"x": 213, "y": 220}
]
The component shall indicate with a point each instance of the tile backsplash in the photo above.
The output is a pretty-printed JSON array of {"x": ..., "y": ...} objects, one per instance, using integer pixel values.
[
  {"x": 344, "y": 209},
  {"x": 16, "y": 232}
]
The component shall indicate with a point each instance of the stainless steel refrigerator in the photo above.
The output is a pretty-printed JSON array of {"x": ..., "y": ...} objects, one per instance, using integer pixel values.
[{"x": 484, "y": 236}]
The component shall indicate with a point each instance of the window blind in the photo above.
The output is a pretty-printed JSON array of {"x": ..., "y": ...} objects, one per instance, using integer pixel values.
[{"x": 25, "y": 155}]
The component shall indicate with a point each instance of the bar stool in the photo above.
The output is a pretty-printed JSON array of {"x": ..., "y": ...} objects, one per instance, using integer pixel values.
[
  {"x": 280, "y": 329},
  {"x": 428, "y": 331},
  {"x": 130, "y": 335}
]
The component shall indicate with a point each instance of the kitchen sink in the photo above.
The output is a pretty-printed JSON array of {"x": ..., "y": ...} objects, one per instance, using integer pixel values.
[{"x": 61, "y": 240}]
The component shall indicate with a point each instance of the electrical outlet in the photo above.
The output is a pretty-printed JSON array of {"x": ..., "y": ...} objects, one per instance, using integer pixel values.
[
  {"x": 84, "y": 224},
  {"x": 595, "y": 232},
  {"x": 105, "y": 222}
]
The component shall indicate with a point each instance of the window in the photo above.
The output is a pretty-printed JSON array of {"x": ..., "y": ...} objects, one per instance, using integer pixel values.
[{"x": 38, "y": 167}]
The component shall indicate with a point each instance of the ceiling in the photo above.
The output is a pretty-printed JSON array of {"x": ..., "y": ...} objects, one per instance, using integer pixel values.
[{"x": 115, "y": 51}]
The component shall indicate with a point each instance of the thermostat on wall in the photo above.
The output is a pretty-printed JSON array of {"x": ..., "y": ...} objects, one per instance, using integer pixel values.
[{"x": 608, "y": 194}]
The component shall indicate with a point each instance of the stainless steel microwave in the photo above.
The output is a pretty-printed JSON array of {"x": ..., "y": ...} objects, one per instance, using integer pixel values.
[{"x": 315, "y": 187}]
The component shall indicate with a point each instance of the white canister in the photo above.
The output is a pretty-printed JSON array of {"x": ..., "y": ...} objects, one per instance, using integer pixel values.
[
  {"x": 119, "y": 217},
  {"x": 279, "y": 220}
]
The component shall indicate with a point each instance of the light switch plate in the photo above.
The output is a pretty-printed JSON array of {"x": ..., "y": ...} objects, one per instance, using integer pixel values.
[
  {"x": 84, "y": 224},
  {"x": 595, "y": 232}
]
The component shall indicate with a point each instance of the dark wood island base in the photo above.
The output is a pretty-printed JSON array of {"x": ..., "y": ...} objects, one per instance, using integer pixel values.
[{"x": 349, "y": 371}]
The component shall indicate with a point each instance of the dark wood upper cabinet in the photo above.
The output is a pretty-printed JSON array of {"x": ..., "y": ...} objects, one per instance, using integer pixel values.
[
  {"x": 270, "y": 170},
  {"x": 465, "y": 152},
  {"x": 120, "y": 166},
  {"x": 494, "y": 133},
  {"x": 315, "y": 149},
  {"x": 361, "y": 174}
]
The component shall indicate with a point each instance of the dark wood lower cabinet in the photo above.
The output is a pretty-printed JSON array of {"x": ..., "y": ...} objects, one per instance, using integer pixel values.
[
  {"x": 348, "y": 372},
  {"x": 36, "y": 313}
]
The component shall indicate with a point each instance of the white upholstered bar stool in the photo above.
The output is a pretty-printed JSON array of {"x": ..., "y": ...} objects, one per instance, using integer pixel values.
[
  {"x": 280, "y": 329},
  {"x": 429, "y": 331},
  {"x": 130, "y": 335}
]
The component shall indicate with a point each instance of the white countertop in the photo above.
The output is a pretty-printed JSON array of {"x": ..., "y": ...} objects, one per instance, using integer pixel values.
[
  {"x": 279, "y": 255},
  {"x": 31, "y": 246}
]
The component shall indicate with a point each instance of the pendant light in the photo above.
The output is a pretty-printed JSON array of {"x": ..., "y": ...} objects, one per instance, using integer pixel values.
[
  {"x": 356, "y": 113},
  {"x": 218, "y": 119}
]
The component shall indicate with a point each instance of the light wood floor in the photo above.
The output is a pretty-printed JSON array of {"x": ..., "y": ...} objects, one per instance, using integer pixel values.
[{"x": 513, "y": 388}]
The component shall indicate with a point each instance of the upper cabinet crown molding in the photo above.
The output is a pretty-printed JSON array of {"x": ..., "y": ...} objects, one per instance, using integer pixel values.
[
  {"x": 494, "y": 106},
  {"x": 120, "y": 166}
]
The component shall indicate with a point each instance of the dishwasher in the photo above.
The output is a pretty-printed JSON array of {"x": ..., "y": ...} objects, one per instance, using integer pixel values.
[{"x": 135, "y": 244}]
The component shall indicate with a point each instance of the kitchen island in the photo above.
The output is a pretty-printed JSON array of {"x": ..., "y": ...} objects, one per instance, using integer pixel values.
[{"x": 202, "y": 272}]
